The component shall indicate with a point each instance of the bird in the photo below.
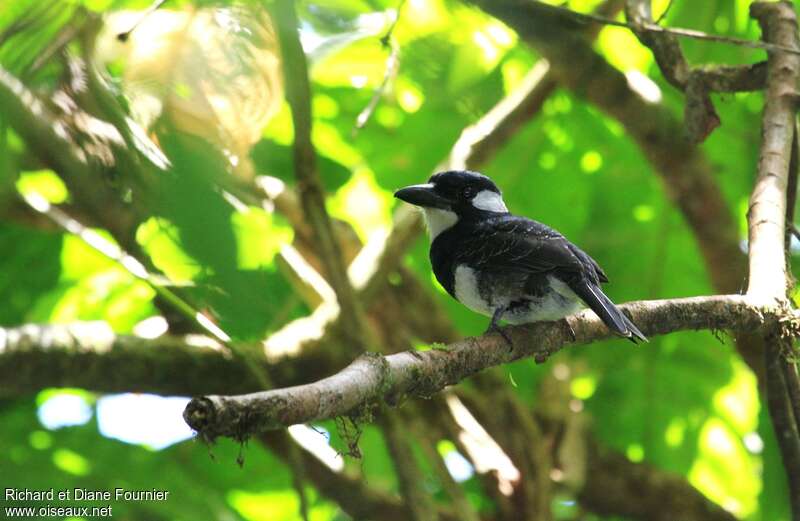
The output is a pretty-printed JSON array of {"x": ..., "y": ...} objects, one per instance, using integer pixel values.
[{"x": 507, "y": 267}]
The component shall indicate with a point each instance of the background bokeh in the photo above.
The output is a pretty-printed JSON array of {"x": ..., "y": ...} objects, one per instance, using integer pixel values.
[{"x": 685, "y": 402}]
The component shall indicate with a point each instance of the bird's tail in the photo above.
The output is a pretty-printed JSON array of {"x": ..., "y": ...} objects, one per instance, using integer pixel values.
[{"x": 609, "y": 313}]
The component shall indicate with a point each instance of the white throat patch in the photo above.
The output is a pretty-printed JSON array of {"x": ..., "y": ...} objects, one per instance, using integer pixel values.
[
  {"x": 438, "y": 220},
  {"x": 489, "y": 201}
]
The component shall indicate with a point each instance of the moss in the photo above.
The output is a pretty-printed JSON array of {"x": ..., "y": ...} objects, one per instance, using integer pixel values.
[{"x": 350, "y": 431}]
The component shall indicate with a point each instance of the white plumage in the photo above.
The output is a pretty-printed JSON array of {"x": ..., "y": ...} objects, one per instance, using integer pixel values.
[{"x": 555, "y": 304}]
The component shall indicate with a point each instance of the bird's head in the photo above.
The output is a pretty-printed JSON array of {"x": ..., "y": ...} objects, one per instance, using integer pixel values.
[{"x": 453, "y": 195}]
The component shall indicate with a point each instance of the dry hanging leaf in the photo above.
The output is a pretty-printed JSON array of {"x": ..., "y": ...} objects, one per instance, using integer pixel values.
[{"x": 211, "y": 72}]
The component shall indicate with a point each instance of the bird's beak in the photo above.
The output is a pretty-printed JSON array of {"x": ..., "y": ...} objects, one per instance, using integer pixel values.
[{"x": 423, "y": 195}]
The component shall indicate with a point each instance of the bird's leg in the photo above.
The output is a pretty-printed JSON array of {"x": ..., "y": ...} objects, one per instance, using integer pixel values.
[
  {"x": 569, "y": 329},
  {"x": 494, "y": 326}
]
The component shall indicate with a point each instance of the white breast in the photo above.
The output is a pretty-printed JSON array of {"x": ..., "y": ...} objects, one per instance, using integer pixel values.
[
  {"x": 555, "y": 304},
  {"x": 467, "y": 292}
]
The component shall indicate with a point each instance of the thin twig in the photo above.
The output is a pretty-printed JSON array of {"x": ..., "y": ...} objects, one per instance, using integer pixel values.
[
  {"x": 392, "y": 65},
  {"x": 124, "y": 35},
  {"x": 130, "y": 264},
  {"x": 158, "y": 283},
  {"x": 664, "y": 14},
  {"x": 654, "y": 28},
  {"x": 420, "y": 503},
  {"x": 350, "y": 492},
  {"x": 312, "y": 196},
  {"x": 700, "y": 116},
  {"x": 789, "y": 367},
  {"x": 782, "y": 416}
]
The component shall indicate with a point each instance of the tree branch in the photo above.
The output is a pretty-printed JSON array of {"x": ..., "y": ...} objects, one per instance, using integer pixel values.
[
  {"x": 409, "y": 475},
  {"x": 564, "y": 13},
  {"x": 700, "y": 116},
  {"x": 371, "y": 377},
  {"x": 665, "y": 46},
  {"x": 617, "y": 486},
  {"x": 42, "y": 131},
  {"x": 312, "y": 196},
  {"x": 478, "y": 143},
  {"x": 769, "y": 279},
  {"x": 91, "y": 356},
  {"x": 782, "y": 415},
  {"x": 351, "y": 493},
  {"x": 767, "y": 210}
]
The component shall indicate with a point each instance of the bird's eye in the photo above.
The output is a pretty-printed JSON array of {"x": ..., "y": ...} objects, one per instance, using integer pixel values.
[{"x": 467, "y": 192}]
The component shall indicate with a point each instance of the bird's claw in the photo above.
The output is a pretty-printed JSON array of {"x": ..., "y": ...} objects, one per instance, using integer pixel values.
[
  {"x": 570, "y": 330},
  {"x": 494, "y": 328}
]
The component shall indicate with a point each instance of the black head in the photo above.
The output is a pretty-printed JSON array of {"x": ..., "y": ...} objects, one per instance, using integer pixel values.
[{"x": 460, "y": 191}]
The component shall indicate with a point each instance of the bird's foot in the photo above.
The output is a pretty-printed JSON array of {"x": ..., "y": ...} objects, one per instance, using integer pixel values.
[
  {"x": 494, "y": 328},
  {"x": 569, "y": 329}
]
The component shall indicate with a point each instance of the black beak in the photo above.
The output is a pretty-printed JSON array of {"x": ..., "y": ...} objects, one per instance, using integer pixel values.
[{"x": 423, "y": 195}]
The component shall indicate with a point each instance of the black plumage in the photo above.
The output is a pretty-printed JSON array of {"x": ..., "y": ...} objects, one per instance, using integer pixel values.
[{"x": 506, "y": 266}]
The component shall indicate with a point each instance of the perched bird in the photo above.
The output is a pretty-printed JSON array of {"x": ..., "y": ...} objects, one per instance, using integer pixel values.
[{"x": 504, "y": 266}]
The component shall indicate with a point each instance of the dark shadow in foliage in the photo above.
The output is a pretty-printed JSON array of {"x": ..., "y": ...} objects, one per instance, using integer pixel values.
[
  {"x": 275, "y": 160},
  {"x": 189, "y": 198},
  {"x": 30, "y": 266}
]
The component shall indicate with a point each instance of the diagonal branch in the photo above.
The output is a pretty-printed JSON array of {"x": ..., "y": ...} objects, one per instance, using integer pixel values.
[
  {"x": 616, "y": 486},
  {"x": 90, "y": 356},
  {"x": 351, "y": 493},
  {"x": 700, "y": 116},
  {"x": 372, "y": 378},
  {"x": 665, "y": 46},
  {"x": 44, "y": 133},
  {"x": 477, "y": 143},
  {"x": 564, "y": 13},
  {"x": 312, "y": 196}
]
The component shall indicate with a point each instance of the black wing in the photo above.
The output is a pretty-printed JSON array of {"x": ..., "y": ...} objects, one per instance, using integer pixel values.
[
  {"x": 510, "y": 243},
  {"x": 516, "y": 243}
]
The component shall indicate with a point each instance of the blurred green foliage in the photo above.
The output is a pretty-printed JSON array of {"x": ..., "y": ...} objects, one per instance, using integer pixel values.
[{"x": 684, "y": 402}]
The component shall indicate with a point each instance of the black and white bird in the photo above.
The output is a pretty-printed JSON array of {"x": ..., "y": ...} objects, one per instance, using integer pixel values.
[{"x": 504, "y": 266}]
